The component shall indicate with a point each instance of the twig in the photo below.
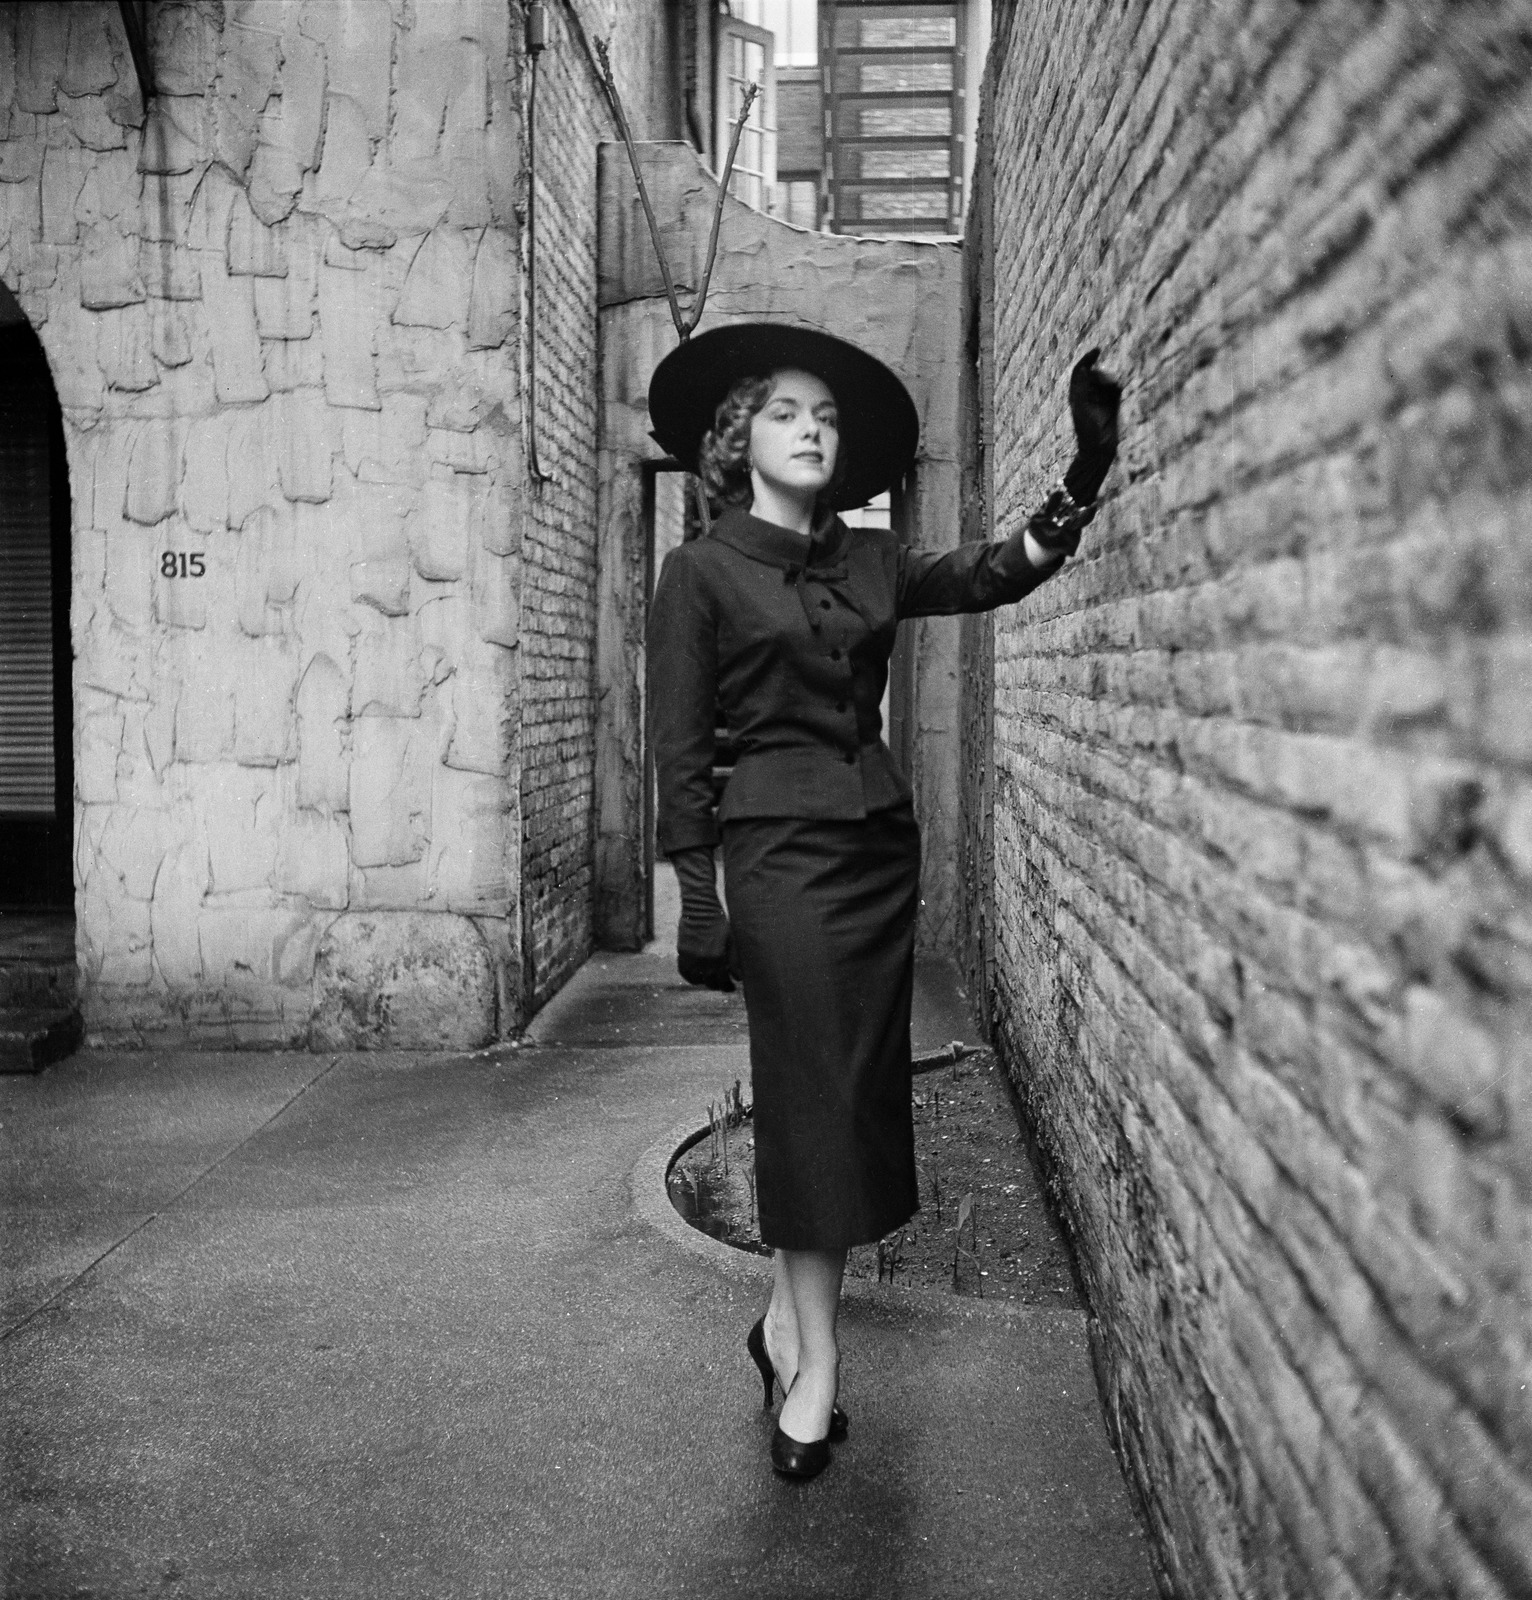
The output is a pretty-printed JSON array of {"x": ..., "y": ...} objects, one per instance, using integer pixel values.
[
  {"x": 973, "y": 1223},
  {"x": 965, "y": 1213},
  {"x": 609, "y": 83},
  {"x": 704, "y": 513},
  {"x": 685, "y": 326},
  {"x": 949, "y": 1055},
  {"x": 751, "y": 90}
]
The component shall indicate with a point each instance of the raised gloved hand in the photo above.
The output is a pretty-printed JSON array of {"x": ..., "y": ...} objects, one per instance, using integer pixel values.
[
  {"x": 704, "y": 945},
  {"x": 1093, "y": 400}
]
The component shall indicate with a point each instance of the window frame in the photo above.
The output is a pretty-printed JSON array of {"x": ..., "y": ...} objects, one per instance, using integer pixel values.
[
  {"x": 763, "y": 115},
  {"x": 843, "y": 108}
]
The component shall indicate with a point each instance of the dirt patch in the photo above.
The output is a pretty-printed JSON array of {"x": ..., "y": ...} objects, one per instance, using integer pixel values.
[{"x": 983, "y": 1227}]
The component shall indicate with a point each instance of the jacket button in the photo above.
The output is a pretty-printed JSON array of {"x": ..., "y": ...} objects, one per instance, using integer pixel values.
[
  {"x": 835, "y": 655},
  {"x": 840, "y": 705},
  {"x": 851, "y": 759},
  {"x": 824, "y": 605}
]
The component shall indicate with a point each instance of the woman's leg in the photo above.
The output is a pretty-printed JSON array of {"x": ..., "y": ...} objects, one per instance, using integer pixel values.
[
  {"x": 809, "y": 1281},
  {"x": 781, "y": 1328}
]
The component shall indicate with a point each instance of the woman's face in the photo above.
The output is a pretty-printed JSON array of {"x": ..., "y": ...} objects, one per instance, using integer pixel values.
[{"x": 795, "y": 436}]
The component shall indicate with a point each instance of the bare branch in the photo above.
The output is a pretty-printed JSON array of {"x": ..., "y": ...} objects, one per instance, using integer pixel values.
[
  {"x": 751, "y": 90},
  {"x": 685, "y": 326},
  {"x": 682, "y": 330}
]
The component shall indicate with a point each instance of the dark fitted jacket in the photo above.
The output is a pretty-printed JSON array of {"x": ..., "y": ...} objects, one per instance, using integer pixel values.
[{"x": 793, "y": 640}]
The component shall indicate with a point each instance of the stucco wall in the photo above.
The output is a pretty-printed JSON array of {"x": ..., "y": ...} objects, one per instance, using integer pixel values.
[
  {"x": 1262, "y": 779},
  {"x": 283, "y": 314}
]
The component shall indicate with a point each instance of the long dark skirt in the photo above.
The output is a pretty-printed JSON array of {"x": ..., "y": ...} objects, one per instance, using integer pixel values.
[{"x": 824, "y": 925}]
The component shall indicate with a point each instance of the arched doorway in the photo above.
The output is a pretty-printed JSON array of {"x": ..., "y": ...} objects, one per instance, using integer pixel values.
[{"x": 36, "y": 731}]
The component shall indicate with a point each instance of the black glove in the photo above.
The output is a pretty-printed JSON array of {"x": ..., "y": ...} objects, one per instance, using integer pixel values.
[
  {"x": 704, "y": 945},
  {"x": 1056, "y": 524},
  {"x": 1093, "y": 401}
]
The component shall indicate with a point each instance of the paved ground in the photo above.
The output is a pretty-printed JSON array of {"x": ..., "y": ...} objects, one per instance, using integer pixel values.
[{"x": 283, "y": 1325}]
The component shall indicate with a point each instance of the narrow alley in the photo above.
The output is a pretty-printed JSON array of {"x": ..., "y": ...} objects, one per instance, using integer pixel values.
[
  {"x": 1043, "y": 492},
  {"x": 382, "y": 1325}
]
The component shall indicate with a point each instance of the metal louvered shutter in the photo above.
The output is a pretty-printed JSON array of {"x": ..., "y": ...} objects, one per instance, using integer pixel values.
[{"x": 26, "y": 603}]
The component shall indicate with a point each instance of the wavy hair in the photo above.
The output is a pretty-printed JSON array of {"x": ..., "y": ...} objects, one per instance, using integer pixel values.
[{"x": 723, "y": 461}]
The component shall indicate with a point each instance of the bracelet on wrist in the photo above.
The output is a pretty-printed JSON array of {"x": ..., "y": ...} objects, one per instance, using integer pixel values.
[{"x": 1056, "y": 524}]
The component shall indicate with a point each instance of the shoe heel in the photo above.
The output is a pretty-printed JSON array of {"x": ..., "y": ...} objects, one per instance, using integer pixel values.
[{"x": 755, "y": 1343}]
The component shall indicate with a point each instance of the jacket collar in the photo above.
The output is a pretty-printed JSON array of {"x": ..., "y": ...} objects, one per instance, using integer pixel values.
[{"x": 778, "y": 546}]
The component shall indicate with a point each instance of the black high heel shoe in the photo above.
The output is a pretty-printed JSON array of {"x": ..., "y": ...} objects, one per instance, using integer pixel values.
[
  {"x": 792, "y": 1458},
  {"x": 840, "y": 1423}
]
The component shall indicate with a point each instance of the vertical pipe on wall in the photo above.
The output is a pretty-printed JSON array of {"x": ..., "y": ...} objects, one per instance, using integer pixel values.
[
  {"x": 537, "y": 42},
  {"x": 132, "y": 15}
]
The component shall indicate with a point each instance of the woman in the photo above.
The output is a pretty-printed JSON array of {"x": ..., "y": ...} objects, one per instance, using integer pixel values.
[{"x": 784, "y": 618}]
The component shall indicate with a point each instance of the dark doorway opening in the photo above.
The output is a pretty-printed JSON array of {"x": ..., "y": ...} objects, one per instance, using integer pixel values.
[
  {"x": 36, "y": 660},
  {"x": 670, "y": 519}
]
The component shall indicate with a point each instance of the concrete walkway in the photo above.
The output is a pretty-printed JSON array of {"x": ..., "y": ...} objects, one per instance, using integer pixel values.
[{"x": 286, "y": 1325}]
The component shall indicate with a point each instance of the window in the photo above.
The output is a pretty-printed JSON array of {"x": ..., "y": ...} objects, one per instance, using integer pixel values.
[
  {"x": 745, "y": 56},
  {"x": 878, "y": 163},
  {"x": 908, "y": 33},
  {"x": 905, "y": 77},
  {"x": 797, "y": 202},
  {"x": 904, "y": 204},
  {"x": 899, "y": 122},
  {"x": 792, "y": 23},
  {"x": 894, "y": 77}
]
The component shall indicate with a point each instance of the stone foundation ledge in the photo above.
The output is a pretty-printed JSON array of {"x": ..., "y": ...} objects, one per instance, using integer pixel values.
[{"x": 383, "y": 980}]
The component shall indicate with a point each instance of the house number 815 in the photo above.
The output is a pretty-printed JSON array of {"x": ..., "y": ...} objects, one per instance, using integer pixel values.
[{"x": 182, "y": 564}]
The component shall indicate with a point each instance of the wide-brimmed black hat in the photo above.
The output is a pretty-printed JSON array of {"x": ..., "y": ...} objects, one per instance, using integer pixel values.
[{"x": 879, "y": 428}]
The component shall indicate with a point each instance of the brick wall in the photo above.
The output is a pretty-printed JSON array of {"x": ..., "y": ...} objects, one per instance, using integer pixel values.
[
  {"x": 558, "y": 705},
  {"x": 973, "y": 924},
  {"x": 1263, "y": 807},
  {"x": 558, "y": 619}
]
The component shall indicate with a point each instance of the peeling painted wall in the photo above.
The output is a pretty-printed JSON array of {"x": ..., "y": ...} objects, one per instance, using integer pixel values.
[{"x": 283, "y": 315}]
